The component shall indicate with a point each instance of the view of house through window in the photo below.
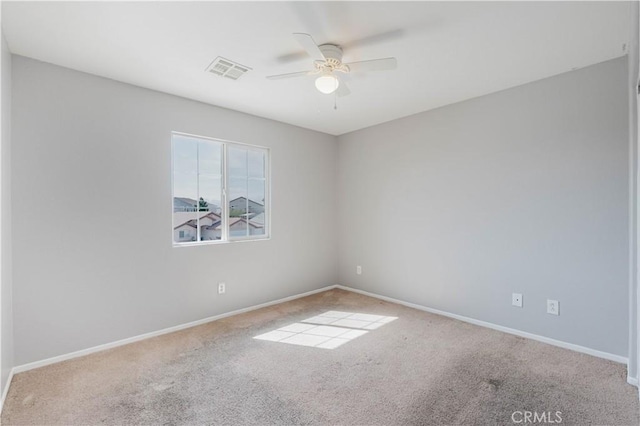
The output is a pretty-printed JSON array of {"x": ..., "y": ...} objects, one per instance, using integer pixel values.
[{"x": 219, "y": 190}]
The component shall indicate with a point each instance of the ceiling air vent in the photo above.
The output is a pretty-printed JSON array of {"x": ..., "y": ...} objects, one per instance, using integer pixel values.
[{"x": 226, "y": 68}]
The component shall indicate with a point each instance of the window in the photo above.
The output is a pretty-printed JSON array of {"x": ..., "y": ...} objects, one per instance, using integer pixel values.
[{"x": 220, "y": 190}]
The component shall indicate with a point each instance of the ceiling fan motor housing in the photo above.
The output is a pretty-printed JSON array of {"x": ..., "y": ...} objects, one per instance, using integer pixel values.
[
  {"x": 331, "y": 51},
  {"x": 333, "y": 59}
]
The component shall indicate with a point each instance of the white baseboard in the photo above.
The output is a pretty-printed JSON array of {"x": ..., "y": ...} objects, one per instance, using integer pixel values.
[
  {"x": 83, "y": 352},
  {"x": 632, "y": 381},
  {"x": 5, "y": 392},
  {"x": 559, "y": 343}
]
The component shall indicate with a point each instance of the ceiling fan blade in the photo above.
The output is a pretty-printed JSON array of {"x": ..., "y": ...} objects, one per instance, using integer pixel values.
[
  {"x": 306, "y": 41},
  {"x": 343, "y": 89},
  {"x": 373, "y": 65},
  {"x": 289, "y": 75}
]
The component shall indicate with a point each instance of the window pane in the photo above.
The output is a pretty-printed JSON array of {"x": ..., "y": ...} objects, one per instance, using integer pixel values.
[
  {"x": 255, "y": 162},
  {"x": 256, "y": 207},
  {"x": 210, "y": 190},
  {"x": 238, "y": 206},
  {"x": 185, "y": 154},
  {"x": 185, "y": 227},
  {"x": 210, "y": 158},
  {"x": 238, "y": 196},
  {"x": 237, "y": 227},
  {"x": 185, "y": 189},
  {"x": 185, "y": 192},
  {"x": 210, "y": 220},
  {"x": 237, "y": 161}
]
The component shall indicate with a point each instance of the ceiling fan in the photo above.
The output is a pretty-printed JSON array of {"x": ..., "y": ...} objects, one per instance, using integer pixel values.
[{"x": 327, "y": 63}]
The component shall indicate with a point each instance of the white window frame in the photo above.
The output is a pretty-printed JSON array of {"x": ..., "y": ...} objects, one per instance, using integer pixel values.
[{"x": 225, "y": 234}]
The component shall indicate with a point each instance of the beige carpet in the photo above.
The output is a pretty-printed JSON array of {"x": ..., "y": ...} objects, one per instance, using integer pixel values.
[{"x": 420, "y": 369}]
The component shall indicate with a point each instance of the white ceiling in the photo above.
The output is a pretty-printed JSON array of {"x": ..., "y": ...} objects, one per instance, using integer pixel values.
[{"x": 447, "y": 52}]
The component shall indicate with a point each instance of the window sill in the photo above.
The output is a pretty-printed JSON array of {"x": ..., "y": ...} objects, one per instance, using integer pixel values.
[{"x": 212, "y": 243}]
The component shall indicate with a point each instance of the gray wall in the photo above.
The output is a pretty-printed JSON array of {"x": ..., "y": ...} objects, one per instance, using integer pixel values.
[
  {"x": 93, "y": 259},
  {"x": 6, "y": 316},
  {"x": 525, "y": 190}
]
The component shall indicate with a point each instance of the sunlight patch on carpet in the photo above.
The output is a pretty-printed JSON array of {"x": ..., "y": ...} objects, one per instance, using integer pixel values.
[{"x": 328, "y": 330}]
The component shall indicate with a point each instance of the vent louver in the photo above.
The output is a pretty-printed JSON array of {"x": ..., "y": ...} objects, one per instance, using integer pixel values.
[{"x": 226, "y": 68}]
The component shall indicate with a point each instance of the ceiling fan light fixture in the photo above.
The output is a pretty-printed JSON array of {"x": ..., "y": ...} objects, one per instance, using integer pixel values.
[{"x": 327, "y": 83}]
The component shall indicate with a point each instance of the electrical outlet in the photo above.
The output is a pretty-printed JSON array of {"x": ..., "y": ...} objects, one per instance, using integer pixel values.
[
  {"x": 553, "y": 307},
  {"x": 516, "y": 300},
  {"x": 359, "y": 270},
  {"x": 222, "y": 287}
]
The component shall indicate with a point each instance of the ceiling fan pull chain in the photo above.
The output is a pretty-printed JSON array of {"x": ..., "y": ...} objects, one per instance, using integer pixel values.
[{"x": 335, "y": 100}]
